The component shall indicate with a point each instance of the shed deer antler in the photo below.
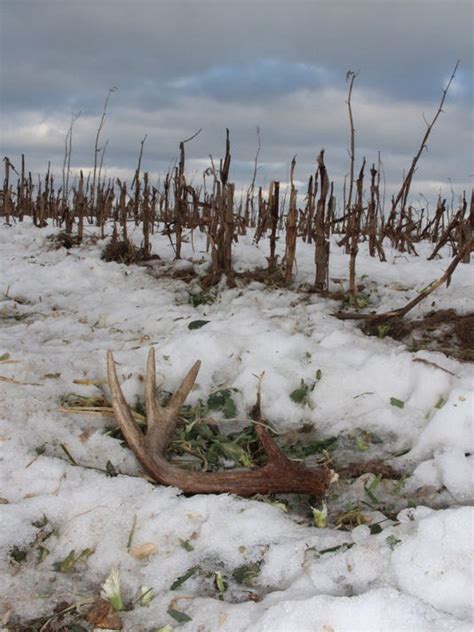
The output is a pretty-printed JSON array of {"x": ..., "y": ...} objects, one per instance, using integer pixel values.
[{"x": 280, "y": 474}]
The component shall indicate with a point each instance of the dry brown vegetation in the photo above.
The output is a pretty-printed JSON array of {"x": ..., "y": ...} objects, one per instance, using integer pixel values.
[{"x": 176, "y": 207}]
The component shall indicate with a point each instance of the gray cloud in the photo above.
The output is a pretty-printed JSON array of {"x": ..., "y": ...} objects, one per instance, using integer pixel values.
[{"x": 184, "y": 65}]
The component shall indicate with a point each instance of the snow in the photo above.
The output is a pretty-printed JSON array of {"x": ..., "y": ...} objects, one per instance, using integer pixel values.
[{"x": 60, "y": 312}]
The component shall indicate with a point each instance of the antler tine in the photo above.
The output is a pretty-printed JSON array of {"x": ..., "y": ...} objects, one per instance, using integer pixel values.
[
  {"x": 151, "y": 405},
  {"x": 180, "y": 395},
  {"x": 161, "y": 421},
  {"x": 272, "y": 451},
  {"x": 127, "y": 423}
]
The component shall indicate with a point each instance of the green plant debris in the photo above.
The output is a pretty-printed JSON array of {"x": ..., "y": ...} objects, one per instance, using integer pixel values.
[
  {"x": 203, "y": 298},
  {"x": 17, "y": 554},
  {"x": 186, "y": 545},
  {"x": 340, "y": 548},
  {"x": 370, "y": 489},
  {"x": 111, "y": 591},
  {"x": 337, "y": 549},
  {"x": 180, "y": 617},
  {"x": 132, "y": 532},
  {"x": 197, "y": 324},
  {"x": 300, "y": 450},
  {"x": 236, "y": 453},
  {"x": 222, "y": 401},
  {"x": 440, "y": 403},
  {"x": 375, "y": 529},
  {"x": 4, "y": 356},
  {"x": 145, "y": 596},
  {"x": 319, "y": 375},
  {"x": 68, "y": 564},
  {"x": 247, "y": 574},
  {"x": 71, "y": 459},
  {"x": 398, "y": 403},
  {"x": 165, "y": 628},
  {"x": 301, "y": 394},
  {"x": 400, "y": 486},
  {"x": 361, "y": 445},
  {"x": 383, "y": 330},
  {"x": 320, "y": 516},
  {"x": 392, "y": 541},
  {"x": 184, "y": 577},
  {"x": 351, "y": 518},
  {"x": 210, "y": 446},
  {"x": 41, "y": 553},
  {"x": 219, "y": 583},
  {"x": 200, "y": 444},
  {"x": 111, "y": 469},
  {"x": 42, "y": 522},
  {"x": 281, "y": 505},
  {"x": 362, "y": 301}
]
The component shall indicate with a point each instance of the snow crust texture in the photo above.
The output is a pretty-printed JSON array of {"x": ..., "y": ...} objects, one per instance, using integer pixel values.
[{"x": 60, "y": 312}]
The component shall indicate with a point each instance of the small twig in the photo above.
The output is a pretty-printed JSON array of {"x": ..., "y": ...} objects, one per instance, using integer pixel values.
[
  {"x": 11, "y": 380},
  {"x": 132, "y": 532},
  {"x": 68, "y": 454},
  {"x": 434, "y": 365}
]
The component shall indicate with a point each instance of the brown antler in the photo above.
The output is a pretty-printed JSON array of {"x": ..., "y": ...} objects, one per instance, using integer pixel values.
[{"x": 278, "y": 475}]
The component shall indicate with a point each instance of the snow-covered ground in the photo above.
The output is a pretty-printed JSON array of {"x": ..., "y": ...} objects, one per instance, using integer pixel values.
[{"x": 408, "y": 566}]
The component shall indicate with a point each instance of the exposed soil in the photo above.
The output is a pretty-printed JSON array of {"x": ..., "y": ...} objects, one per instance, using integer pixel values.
[{"x": 443, "y": 330}]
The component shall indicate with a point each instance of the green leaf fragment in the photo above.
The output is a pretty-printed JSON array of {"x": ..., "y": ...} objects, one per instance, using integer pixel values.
[
  {"x": 186, "y": 545},
  {"x": 362, "y": 300},
  {"x": 111, "y": 469},
  {"x": 18, "y": 555},
  {"x": 180, "y": 617},
  {"x": 383, "y": 330},
  {"x": 41, "y": 553},
  {"x": 361, "y": 445},
  {"x": 392, "y": 541},
  {"x": 219, "y": 582},
  {"x": 222, "y": 400},
  {"x": 397, "y": 402},
  {"x": 145, "y": 596},
  {"x": 197, "y": 324},
  {"x": 247, "y": 573},
  {"x": 236, "y": 453},
  {"x": 369, "y": 489},
  {"x": 336, "y": 549},
  {"x": 320, "y": 516},
  {"x": 68, "y": 564},
  {"x": 183, "y": 578},
  {"x": 111, "y": 591},
  {"x": 300, "y": 395},
  {"x": 42, "y": 522}
]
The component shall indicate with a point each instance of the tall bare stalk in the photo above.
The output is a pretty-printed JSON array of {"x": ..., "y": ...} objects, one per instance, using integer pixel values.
[
  {"x": 402, "y": 195},
  {"x": 96, "y": 146}
]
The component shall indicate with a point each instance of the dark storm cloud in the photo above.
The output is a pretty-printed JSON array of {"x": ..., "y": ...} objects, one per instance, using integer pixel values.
[{"x": 181, "y": 65}]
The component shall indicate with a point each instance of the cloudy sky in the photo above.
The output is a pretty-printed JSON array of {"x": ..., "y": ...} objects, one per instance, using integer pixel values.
[{"x": 181, "y": 65}]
